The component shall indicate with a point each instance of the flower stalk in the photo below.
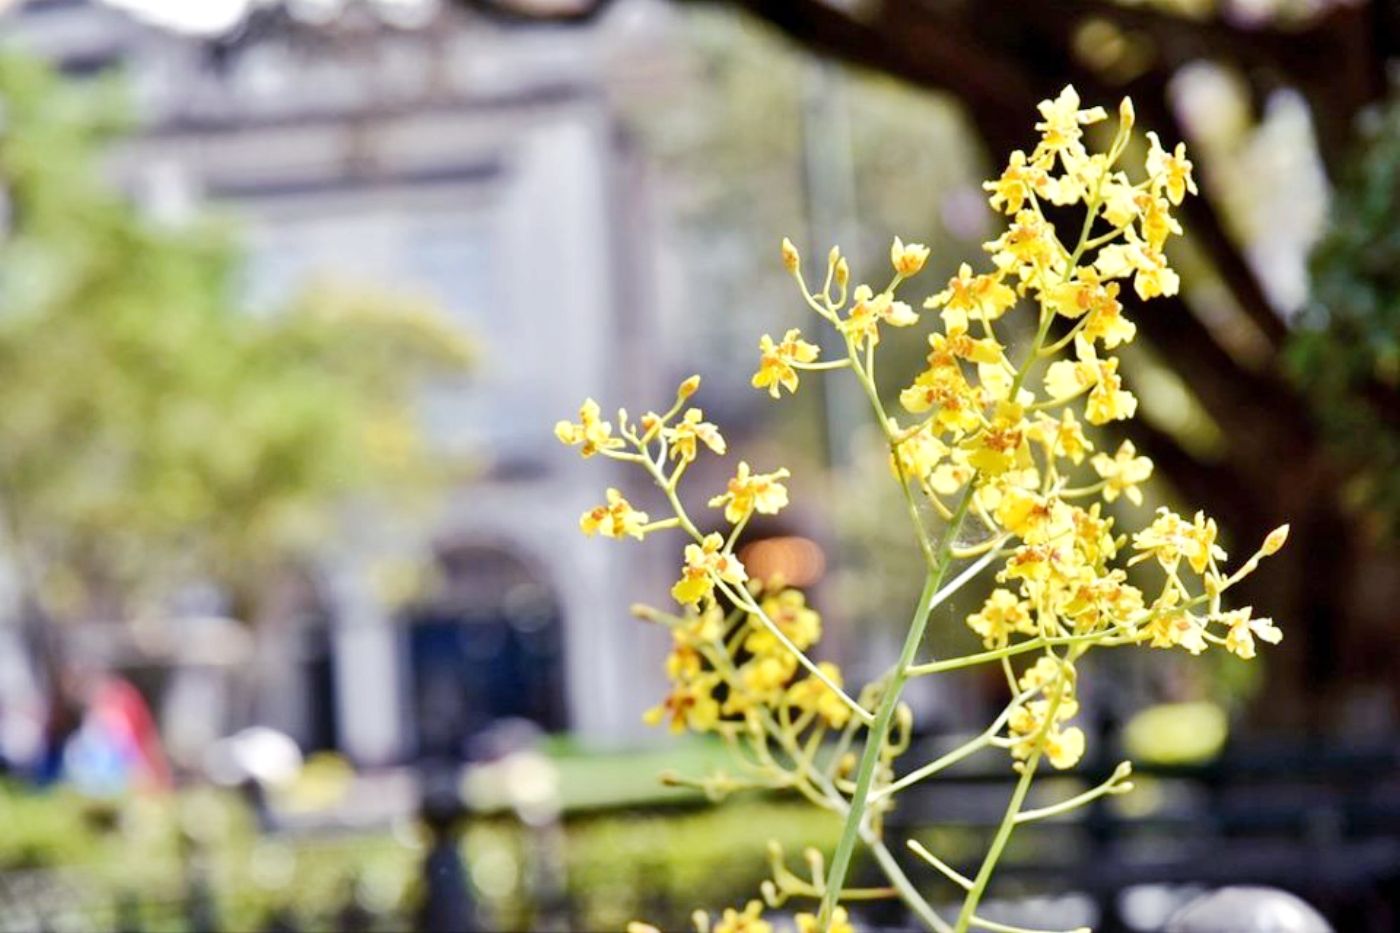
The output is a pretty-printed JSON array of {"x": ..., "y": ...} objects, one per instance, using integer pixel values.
[{"x": 999, "y": 454}]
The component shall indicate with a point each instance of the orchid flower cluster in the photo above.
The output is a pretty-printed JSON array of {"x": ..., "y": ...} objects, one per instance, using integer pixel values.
[{"x": 1000, "y": 447}]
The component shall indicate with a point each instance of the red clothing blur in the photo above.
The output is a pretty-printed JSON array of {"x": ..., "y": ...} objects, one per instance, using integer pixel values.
[{"x": 119, "y": 711}]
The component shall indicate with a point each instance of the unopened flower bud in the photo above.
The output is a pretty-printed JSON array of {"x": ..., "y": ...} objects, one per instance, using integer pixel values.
[
  {"x": 1126, "y": 115},
  {"x": 843, "y": 272},
  {"x": 790, "y": 256},
  {"x": 1275, "y": 540},
  {"x": 688, "y": 388}
]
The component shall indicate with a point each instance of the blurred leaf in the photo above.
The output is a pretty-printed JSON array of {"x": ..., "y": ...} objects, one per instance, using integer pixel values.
[
  {"x": 1176, "y": 733},
  {"x": 153, "y": 432},
  {"x": 1345, "y": 353}
]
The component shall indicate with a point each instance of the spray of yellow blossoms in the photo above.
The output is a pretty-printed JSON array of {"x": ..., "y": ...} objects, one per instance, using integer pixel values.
[{"x": 999, "y": 442}]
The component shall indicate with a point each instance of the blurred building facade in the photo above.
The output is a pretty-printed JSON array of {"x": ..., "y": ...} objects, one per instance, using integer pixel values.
[{"x": 484, "y": 168}]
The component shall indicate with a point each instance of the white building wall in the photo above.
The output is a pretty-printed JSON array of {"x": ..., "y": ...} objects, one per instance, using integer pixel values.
[
  {"x": 548, "y": 321},
  {"x": 328, "y": 174}
]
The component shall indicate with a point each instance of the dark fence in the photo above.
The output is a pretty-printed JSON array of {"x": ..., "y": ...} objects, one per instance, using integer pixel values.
[{"x": 1321, "y": 821}]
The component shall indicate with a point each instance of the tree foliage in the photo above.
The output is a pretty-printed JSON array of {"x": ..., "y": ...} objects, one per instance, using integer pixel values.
[
  {"x": 151, "y": 430},
  {"x": 1346, "y": 351}
]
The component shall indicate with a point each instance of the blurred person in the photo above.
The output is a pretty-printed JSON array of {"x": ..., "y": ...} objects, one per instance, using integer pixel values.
[{"x": 116, "y": 747}]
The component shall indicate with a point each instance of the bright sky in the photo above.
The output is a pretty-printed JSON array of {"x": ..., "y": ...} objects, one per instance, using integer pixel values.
[
  {"x": 206, "y": 16},
  {"x": 215, "y": 16}
]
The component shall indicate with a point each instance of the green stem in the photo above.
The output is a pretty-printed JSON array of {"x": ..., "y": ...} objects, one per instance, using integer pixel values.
[
  {"x": 974, "y": 745},
  {"x": 880, "y": 728},
  {"x": 1013, "y": 809},
  {"x": 740, "y": 597},
  {"x": 867, "y": 383},
  {"x": 906, "y": 889},
  {"x": 937, "y": 568},
  {"x": 1046, "y": 316},
  {"x": 1115, "y": 784},
  {"x": 1008, "y": 823},
  {"x": 996, "y": 654}
]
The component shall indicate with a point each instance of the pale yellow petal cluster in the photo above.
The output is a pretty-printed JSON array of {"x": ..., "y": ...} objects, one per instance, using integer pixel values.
[
  {"x": 778, "y": 362},
  {"x": 998, "y": 436}
]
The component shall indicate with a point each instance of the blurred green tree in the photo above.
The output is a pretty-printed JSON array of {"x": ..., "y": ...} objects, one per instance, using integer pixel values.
[
  {"x": 1345, "y": 351},
  {"x": 153, "y": 432}
]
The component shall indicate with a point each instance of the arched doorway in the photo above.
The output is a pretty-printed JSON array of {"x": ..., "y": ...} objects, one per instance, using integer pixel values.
[{"x": 489, "y": 647}]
